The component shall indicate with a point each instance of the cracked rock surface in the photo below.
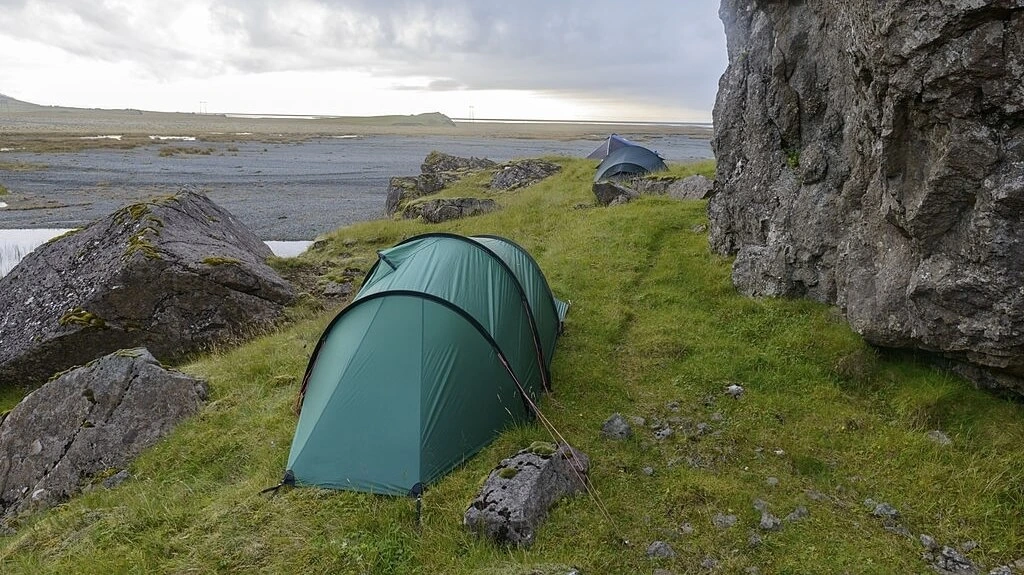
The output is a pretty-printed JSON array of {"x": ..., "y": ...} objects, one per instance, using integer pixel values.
[
  {"x": 86, "y": 423},
  {"x": 175, "y": 275},
  {"x": 518, "y": 493},
  {"x": 871, "y": 155}
]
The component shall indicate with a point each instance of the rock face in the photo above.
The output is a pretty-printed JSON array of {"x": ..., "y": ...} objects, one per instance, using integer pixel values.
[
  {"x": 444, "y": 209},
  {"x": 437, "y": 171},
  {"x": 871, "y": 155},
  {"x": 90, "y": 420},
  {"x": 174, "y": 275},
  {"x": 438, "y": 162},
  {"x": 517, "y": 495},
  {"x": 522, "y": 173}
]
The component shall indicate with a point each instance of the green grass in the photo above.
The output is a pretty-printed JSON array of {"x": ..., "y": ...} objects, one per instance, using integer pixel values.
[
  {"x": 655, "y": 330},
  {"x": 3, "y": 190}
]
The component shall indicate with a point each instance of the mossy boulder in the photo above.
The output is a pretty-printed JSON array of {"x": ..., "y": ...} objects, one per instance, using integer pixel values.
[{"x": 176, "y": 275}]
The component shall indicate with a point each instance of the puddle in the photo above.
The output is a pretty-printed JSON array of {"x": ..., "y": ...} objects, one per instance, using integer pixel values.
[
  {"x": 289, "y": 249},
  {"x": 18, "y": 243}
]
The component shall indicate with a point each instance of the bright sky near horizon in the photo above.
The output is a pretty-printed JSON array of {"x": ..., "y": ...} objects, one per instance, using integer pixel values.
[{"x": 635, "y": 60}]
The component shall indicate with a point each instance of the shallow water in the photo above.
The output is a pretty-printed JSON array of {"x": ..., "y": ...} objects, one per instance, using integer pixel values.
[{"x": 16, "y": 244}]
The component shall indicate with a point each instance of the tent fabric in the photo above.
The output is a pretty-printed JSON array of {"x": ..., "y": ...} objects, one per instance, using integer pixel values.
[
  {"x": 427, "y": 364},
  {"x": 610, "y": 144},
  {"x": 629, "y": 160}
]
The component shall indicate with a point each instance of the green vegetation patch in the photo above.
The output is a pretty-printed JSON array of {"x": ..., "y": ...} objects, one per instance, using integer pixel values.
[
  {"x": 22, "y": 167},
  {"x": 79, "y": 316},
  {"x": 656, "y": 330},
  {"x": 221, "y": 261}
]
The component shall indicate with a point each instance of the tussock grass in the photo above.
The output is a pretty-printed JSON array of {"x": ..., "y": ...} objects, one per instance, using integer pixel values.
[{"x": 655, "y": 331}]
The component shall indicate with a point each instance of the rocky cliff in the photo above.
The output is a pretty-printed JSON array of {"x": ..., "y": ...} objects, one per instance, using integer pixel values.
[{"x": 871, "y": 155}]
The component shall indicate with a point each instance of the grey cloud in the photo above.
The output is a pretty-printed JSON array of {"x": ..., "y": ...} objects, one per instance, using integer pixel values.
[{"x": 665, "y": 51}]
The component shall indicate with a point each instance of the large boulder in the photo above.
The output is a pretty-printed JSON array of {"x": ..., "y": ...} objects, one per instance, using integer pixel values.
[
  {"x": 437, "y": 172},
  {"x": 87, "y": 423},
  {"x": 402, "y": 189},
  {"x": 522, "y": 173},
  {"x": 444, "y": 209},
  {"x": 439, "y": 162},
  {"x": 176, "y": 275},
  {"x": 871, "y": 155},
  {"x": 519, "y": 492}
]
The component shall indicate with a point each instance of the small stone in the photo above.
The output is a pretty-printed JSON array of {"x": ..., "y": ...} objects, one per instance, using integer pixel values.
[
  {"x": 616, "y": 427},
  {"x": 709, "y": 563},
  {"x": 870, "y": 503},
  {"x": 893, "y": 526},
  {"x": 660, "y": 549},
  {"x": 736, "y": 391},
  {"x": 760, "y": 505},
  {"x": 939, "y": 437},
  {"x": 672, "y": 406},
  {"x": 1001, "y": 570},
  {"x": 754, "y": 539},
  {"x": 968, "y": 546},
  {"x": 116, "y": 479},
  {"x": 771, "y": 481},
  {"x": 885, "y": 510},
  {"x": 662, "y": 572},
  {"x": 798, "y": 514},
  {"x": 769, "y": 522},
  {"x": 686, "y": 529},
  {"x": 637, "y": 421},
  {"x": 717, "y": 416},
  {"x": 648, "y": 471},
  {"x": 663, "y": 433},
  {"x": 928, "y": 542},
  {"x": 723, "y": 521},
  {"x": 335, "y": 289},
  {"x": 703, "y": 429},
  {"x": 815, "y": 495}
]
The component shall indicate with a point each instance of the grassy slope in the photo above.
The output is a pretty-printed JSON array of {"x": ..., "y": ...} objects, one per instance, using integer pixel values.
[{"x": 654, "y": 320}]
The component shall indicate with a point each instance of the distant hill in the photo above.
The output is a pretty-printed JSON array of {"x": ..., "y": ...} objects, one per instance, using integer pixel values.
[{"x": 9, "y": 104}]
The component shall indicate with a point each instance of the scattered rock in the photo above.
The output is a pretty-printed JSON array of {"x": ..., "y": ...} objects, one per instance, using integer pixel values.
[
  {"x": 723, "y": 521},
  {"x": 686, "y": 529},
  {"x": 663, "y": 433},
  {"x": 338, "y": 290},
  {"x": 116, "y": 479},
  {"x": 660, "y": 550},
  {"x": 662, "y": 572},
  {"x": 99, "y": 416},
  {"x": 734, "y": 390},
  {"x": 445, "y": 209},
  {"x": 754, "y": 539},
  {"x": 696, "y": 187},
  {"x": 612, "y": 193},
  {"x": 798, "y": 514},
  {"x": 771, "y": 481},
  {"x": 672, "y": 406},
  {"x": 510, "y": 506},
  {"x": 769, "y": 522},
  {"x": 717, "y": 416},
  {"x": 638, "y": 421},
  {"x": 522, "y": 173},
  {"x": 616, "y": 427},
  {"x": 708, "y": 563},
  {"x": 949, "y": 561},
  {"x": 648, "y": 471},
  {"x": 176, "y": 275},
  {"x": 939, "y": 437},
  {"x": 885, "y": 510}
]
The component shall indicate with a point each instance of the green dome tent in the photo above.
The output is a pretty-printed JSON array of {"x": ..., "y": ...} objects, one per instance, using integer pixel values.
[
  {"x": 426, "y": 365},
  {"x": 629, "y": 160}
]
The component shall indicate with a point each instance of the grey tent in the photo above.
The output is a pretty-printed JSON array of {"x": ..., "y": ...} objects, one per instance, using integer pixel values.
[
  {"x": 612, "y": 143},
  {"x": 629, "y": 161}
]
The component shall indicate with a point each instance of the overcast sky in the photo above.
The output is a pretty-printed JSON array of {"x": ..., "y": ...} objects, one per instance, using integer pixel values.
[{"x": 547, "y": 59}]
